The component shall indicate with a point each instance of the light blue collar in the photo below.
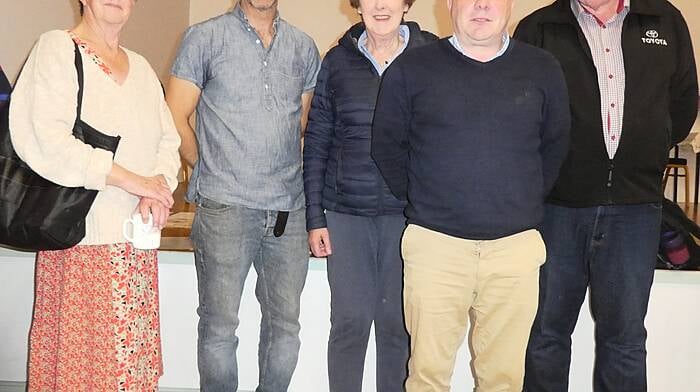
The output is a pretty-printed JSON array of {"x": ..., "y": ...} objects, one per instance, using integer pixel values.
[
  {"x": 404, "y": 32},
  {"x": 504, "y": 46}
]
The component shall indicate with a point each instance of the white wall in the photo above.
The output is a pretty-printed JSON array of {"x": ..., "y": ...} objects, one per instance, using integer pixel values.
[
  {"x": 691, "y": 12},
  {"x": 153, "y": 30},
  {"x": 22, "y": 23},
  {"x": 156, "y": 25}
]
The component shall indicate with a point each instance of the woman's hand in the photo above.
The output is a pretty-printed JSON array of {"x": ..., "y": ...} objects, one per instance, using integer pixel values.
[
  {"x": 159, "y": 211},
  {"x": 161, "y": 178},
  {"x": 150, "y": 187},
  {"x": 320, "y": 242}
]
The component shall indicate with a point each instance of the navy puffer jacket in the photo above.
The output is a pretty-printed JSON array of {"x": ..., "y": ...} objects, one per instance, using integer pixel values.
[{"x": 339, "y": 173}]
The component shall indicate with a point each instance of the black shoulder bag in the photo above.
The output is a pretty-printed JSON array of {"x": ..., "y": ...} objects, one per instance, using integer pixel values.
[{"x": 35, "y": 213}]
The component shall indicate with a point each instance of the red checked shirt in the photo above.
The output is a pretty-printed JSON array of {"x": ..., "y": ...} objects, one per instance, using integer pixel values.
[{"x": 605, "y": 41}]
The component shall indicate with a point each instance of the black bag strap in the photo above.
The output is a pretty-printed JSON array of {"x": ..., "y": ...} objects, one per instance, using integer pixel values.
[
  {"x": 82, "y": 131},
  {"x": 79, "y": 70}
]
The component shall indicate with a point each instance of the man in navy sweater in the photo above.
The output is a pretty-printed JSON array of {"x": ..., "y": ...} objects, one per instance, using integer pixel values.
[
  {"x": 631, "y": 76},
  {"x": 471, "y": 130}
]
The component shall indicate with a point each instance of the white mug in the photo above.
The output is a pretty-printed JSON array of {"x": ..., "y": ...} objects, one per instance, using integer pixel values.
[{"x": 143, "y": 235}]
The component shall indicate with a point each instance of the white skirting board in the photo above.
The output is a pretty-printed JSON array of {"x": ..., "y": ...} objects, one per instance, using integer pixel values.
[{"x": 12, "y": 386}]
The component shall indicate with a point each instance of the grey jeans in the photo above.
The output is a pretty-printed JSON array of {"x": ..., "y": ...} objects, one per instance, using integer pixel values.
[{"x": 228, "y": 239}]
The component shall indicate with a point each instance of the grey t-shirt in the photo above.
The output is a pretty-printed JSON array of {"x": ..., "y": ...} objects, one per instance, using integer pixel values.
[{"x": 248, "y": 116}]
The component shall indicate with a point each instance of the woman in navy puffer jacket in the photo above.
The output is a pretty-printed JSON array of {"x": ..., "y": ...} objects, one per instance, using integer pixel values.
[{"x": 352, "y": 217}]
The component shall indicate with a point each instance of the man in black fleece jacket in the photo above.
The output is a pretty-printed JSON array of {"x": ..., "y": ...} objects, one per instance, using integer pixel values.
[
  {"x": 471, "y": 130},
  {"x": 633, "y": 87}
]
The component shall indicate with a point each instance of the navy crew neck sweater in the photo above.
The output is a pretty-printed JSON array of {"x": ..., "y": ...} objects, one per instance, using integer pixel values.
[{"x": 474, "y": 147}]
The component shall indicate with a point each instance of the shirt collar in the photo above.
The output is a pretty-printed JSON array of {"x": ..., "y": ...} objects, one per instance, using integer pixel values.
[
  {"x": 404, "y": 32},
  {"x": 238, "y": 12},
  {"x": 578, "y": 9},
  {"x": 505, "y": 41}
]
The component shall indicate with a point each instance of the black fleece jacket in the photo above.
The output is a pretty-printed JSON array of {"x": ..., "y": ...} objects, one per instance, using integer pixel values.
[{"x": 661, "y": 101}]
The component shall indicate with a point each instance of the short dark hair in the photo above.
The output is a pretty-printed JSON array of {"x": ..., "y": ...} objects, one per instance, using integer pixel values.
[
  {"x": 356, "y": 3},
  {"x": 81, "y": 7}
]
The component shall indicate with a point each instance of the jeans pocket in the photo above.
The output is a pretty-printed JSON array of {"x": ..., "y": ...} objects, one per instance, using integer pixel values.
[{"x": 208, "y": 205}]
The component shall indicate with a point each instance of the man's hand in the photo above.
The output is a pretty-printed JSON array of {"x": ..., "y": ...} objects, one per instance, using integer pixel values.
[{"x": 320, "y": 242}]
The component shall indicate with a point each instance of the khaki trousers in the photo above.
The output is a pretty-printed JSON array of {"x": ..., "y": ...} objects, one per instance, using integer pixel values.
[{"x": 449, "y": 280}]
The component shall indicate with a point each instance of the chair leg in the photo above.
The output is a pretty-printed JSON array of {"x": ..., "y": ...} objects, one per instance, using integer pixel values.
[
  {"x": 665, "y": 179},
  {"x": 687, "y": 184}
]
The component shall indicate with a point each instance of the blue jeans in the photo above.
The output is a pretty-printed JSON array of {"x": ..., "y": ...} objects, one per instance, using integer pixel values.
[
  {"x": 365, "y": 274},
  {"x": 612, "y": 250},
  {"x": 227, "y": 241}
]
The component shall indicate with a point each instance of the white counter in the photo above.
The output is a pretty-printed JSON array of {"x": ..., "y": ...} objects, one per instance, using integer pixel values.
[{"x": 673, "y": 323}]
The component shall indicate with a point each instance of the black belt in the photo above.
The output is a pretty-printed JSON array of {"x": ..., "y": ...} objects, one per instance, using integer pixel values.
[{"x": 281, "y": 223}]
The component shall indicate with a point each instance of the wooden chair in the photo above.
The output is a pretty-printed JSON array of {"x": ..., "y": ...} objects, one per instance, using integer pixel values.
[{"x": 672, "y": 168}]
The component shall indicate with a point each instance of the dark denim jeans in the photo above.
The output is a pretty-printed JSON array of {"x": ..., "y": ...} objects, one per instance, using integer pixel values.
[
  {"x": 365, "y": 274},
  {"x": 612, "y": 250},
  {"x": 227, "y": 241}
]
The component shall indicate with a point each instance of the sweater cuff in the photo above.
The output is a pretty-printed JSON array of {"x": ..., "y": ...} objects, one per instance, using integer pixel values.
[
  {"x": 98, "y": 169},
  {"x": 317, "y": 221}
]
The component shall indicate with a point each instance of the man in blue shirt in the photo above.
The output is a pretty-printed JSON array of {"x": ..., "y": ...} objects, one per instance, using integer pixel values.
[{"x": 250, "y": 76}]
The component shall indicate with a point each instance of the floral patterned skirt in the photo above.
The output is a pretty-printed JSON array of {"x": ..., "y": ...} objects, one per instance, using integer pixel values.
[{"x": 95, "y": 325}]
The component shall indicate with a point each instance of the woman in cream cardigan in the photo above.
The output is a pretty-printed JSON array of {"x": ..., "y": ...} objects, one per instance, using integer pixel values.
[{"x": 95, "y": 325}]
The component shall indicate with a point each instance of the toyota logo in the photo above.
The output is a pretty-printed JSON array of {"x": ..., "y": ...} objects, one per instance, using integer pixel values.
[{"x": 652, "y": 34}]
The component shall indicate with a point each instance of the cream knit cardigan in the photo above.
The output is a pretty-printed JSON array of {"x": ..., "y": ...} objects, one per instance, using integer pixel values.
[{"x": 42, "y": 113}]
